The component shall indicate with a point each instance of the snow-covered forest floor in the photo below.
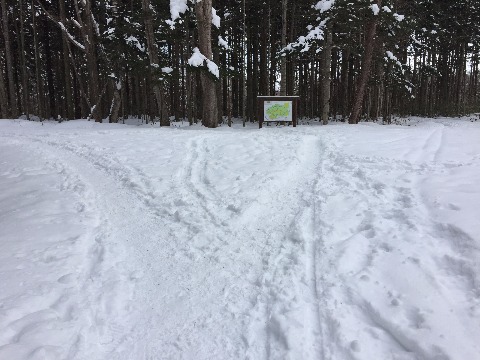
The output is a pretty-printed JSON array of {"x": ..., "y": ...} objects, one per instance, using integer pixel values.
[{"x": 334, "y": 242}]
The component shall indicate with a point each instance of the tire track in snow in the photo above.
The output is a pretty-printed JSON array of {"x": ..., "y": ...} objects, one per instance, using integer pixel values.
[{"x": 434, "y": 143}]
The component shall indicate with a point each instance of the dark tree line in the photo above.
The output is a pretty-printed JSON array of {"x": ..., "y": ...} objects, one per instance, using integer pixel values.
[{"x": 348, "y": 60}]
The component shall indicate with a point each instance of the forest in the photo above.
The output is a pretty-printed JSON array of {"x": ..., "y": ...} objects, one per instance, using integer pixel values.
[{"x": 164, "y": 61}]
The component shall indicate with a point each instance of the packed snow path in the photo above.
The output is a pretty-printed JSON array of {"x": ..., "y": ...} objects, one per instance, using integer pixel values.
[{"x": 337, "y": 242}]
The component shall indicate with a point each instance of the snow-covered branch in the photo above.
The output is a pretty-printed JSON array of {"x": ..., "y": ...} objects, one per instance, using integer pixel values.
[
  {"x": 57, "y": 21},
  {"x": 198, "y": 60}
]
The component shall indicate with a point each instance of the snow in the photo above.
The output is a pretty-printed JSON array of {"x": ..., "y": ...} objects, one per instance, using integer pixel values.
[
  {"x": 134, "y": 41},
  {"x": 334, "y": 242},
  {"x": 177, "y": 7},
  {"x": 70, "y": 36},
  {"x": 95, "y": 25},
  {"x": 198, "y": 59},
  {"x": 213, "y": 68},
  {"x": 394, "y": 59},
  {"x": 324, "y": 5},
  {"x": 391, "y": 56},
  {"x": 398, "y": 17},
  {"x": 215, "y": 19},
  {"x": 314, "y": 33},
  {"x": 375, "y": 8},
  {"x": 223, "y": 43}
]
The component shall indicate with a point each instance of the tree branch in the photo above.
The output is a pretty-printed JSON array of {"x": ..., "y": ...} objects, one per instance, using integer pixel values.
[{"x": 61, "y": 26}]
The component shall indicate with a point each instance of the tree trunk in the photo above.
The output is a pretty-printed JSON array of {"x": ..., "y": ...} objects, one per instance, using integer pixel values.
[
  {"x": 326, "y": 76},
  {"x": 203, "y": 10},
  {"x": 264, "y": 42},
  {"x": 9, "y": 62},
  {"x": 88, "y": 29},
  {"x": 218, "y": 89},
  {"x": 38, "y": 77},
  {"x": 366, "y": 68},
  {"x": 3, "y": 95},
  {"x": 283, "y": 60},
  {"x": 116, "y": 101},
  {"x": 153, "y": 57},
  {"x": 69, "y": 114},
  {"x": 26, "y": 99},
  {"x": 50, "y": 105},
  {"x": 229, "y": 102},
  {"x": 243, "y": 44}
]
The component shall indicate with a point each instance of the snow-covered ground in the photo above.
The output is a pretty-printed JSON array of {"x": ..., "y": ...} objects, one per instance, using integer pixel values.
[{"x": 334, "y": 242}]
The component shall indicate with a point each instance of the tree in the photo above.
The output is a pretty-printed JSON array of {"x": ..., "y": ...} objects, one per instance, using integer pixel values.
[
  {"x": 326, "y": 78},
  {"x": 203, "y": 55},
  {"x": 154, "y": 63},
  {"x": 346, "y": 22},
  {"x": 369, "y": 45},
  {"x": 283, "y": 62},
  {"x": 88, "y": 28},
  {"x": 113, "y": 59},
  {"x": 9, "y": 61},
  {"x": 203, "y": 11}
]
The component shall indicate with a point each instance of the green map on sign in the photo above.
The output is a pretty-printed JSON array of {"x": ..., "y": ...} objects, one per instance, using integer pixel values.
[{"x": 278, "y": 111}]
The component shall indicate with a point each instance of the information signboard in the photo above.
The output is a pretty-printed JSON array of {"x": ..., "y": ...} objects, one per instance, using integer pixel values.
[
  {"x": 277, "y": 111},
  {"x": 277, "y": 108}
]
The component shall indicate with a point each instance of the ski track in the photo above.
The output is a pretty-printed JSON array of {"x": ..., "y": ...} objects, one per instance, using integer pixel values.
[
  {"x": 287, "y": 303},
  {"x": 279, "y": 279}
]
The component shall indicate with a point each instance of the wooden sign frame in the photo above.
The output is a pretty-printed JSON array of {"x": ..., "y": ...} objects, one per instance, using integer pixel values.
[{"x": 261, "y": 107}]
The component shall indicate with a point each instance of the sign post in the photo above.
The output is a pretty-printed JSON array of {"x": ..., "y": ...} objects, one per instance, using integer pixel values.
[{"x": 277, "y": 108}]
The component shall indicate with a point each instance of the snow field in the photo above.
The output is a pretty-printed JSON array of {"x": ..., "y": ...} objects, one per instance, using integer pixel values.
[
  {"x": 45, "y": 241},
  {"x": 337, "y": 242}
]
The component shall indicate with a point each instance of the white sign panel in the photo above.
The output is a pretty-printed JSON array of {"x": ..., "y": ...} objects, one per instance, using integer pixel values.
[{"x": 277, "y": 111}]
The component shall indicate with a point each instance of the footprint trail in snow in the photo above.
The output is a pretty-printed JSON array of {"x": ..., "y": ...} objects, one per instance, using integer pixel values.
[{"x": 333, "y": 242}]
